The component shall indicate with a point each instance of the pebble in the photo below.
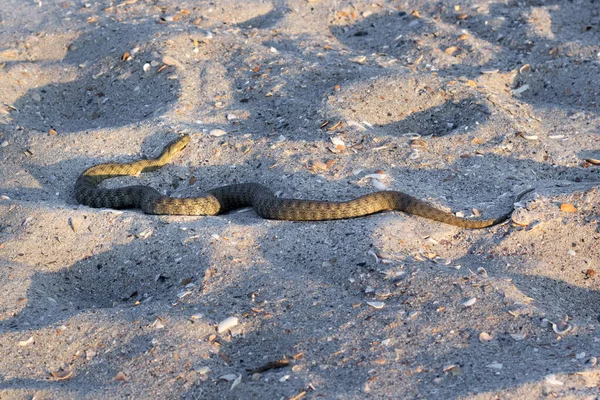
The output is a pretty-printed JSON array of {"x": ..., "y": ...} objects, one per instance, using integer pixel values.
[
  {"x": 5, "y": 143},
  {"x": 146, "y": 67},
  {"x": 227, "y": 323},
  {"x": 217, "y": 132},
  {"x": 231, "y": 117}
]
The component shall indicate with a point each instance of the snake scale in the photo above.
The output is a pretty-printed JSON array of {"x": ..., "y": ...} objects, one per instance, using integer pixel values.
[{"x": 259, "y": 197}]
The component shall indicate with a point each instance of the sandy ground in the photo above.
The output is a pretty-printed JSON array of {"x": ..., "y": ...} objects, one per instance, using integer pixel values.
[{"x": 462, "y": 104}]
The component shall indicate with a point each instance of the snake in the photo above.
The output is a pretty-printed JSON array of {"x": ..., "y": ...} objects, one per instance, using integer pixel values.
[{"x": 264, "y": 202}]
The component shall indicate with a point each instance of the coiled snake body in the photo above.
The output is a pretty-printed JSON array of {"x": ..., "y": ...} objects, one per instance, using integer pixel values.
[{"x": 260, "y": 198}]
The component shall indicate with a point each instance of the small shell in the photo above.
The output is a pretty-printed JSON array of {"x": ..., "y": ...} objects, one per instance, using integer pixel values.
[
  {"x": 227, "y": 323},
  {"x": 203, "y": 370},
  {"x": 359, "y": 60},
  {"x": 217, "y": 132},
  {"x": 228, "y": 377},
  {"x": 551, "y": 380},
  {"x": 485, "y": 337},
  {"x": 592, "y": 361},
  {"x": 338, "y": 144},
  {"x": 376, "y": 304},
  {"x": 61, "y": 375},
  {"x": 525, "y": 69},
  {"x": 238, "y": 379},
  {"x": 518, "y": 336},
  {"x": 120, "y": 376},
  {"x": 520, "y": 90},
  {"x": 27, "y": 342},
  {"x": 470, "y": 302}
]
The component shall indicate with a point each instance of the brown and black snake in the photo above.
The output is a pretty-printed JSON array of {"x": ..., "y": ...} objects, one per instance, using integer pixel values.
[{"x": 259, "y": 197}]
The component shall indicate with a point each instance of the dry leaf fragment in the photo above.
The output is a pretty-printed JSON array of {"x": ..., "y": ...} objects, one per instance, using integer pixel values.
[
  {"x": 52, "y": 132},
  {"x": 464, "y": 36},
  {"x": 566, "y": 207},
  {"x": 334, "y": 127},
  {"x": 126, "y": 56}
]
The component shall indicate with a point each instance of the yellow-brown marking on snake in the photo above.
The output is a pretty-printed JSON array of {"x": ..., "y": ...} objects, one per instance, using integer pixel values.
[{"x": 259, "y": 197}]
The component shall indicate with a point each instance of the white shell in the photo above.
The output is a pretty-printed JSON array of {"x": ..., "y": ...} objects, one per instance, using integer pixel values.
[
  {"x": 227, "y": 323},
  {"x": 470, "y": 302}
]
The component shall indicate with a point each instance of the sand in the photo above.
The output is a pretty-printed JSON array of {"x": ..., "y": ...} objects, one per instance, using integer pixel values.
[{"x": 464, "y": 105}]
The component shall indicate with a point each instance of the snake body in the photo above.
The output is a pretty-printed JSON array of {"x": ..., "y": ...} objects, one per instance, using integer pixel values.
[{"x": 259, "y": 197}]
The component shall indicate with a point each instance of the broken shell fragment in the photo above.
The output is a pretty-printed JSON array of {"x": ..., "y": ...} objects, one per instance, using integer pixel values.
[{"x": 226, "y": 324}]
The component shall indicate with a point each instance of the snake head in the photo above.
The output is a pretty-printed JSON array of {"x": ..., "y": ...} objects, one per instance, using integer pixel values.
[{"x": 176, "y": 146}]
